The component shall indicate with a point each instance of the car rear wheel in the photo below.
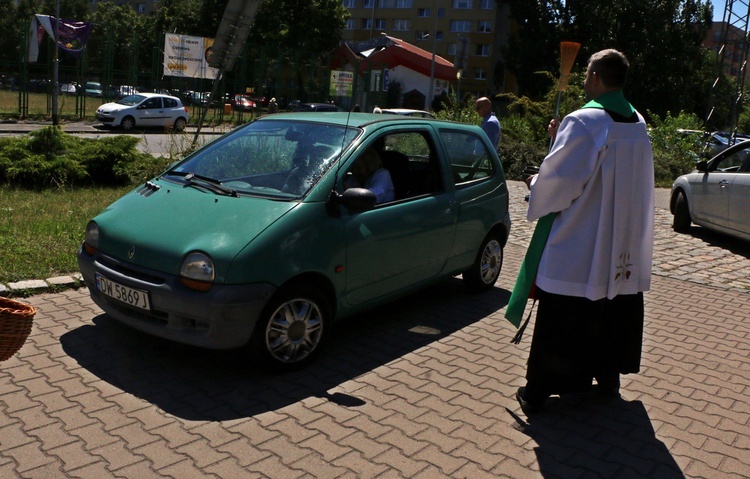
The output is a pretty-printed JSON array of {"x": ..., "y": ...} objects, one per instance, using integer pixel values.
[
  {"x": 681, "y": 220},
  {"x": 290, "y": 330},
  {"x": 128, "y": 123},
  {"x": 486, "y": 268},
  {"x": 179, "y": 124}
]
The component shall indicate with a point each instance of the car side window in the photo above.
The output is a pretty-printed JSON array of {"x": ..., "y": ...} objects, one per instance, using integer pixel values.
[
  {"x": 411, "y": 160},
  {"x": 152, "y": 103},
  {"x": 170, "y": 103},
  {"x": 469, "y": 157},
  {"x": 734, "y": 162}
]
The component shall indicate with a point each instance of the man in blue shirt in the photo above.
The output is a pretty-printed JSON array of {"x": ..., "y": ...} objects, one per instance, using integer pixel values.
[{"x": 490, "y": 123}]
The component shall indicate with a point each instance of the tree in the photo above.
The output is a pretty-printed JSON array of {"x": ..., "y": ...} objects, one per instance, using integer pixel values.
[
  {"x": 290, "y": 24},
  {"x": 116, "y": 37},
  {"x": 670, "y": 70},
  {"x": 300, "y": 32}
]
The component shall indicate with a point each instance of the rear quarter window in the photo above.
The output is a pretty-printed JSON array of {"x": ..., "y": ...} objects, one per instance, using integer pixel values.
[{"x": 469, "y": 157}]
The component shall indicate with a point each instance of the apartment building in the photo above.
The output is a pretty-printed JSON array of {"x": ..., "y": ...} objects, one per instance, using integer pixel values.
[{"x": 470, "y": 33}]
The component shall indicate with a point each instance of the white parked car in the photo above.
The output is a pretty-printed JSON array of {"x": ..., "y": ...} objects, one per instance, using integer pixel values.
[
  {"x": 407, "y": 112},
  {"x": 716, "y": 196},
  {"x": 144, "y": 110}
]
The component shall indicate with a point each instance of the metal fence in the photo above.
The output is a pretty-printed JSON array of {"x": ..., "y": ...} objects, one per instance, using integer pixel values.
[{"x": 262, "y": 72}]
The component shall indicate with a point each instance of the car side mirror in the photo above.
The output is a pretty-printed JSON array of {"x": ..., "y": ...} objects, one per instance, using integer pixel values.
[
  {"x": 355, "y": 200},
  {"x": 702, "y": 166}
]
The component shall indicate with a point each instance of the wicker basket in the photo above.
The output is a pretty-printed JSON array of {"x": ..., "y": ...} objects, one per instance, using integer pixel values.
[{"x": 15, "y": 325}]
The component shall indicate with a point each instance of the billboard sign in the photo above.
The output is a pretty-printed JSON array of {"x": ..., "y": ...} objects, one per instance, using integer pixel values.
[
  {"x": 341, "y": 83},
  {"x": 188, "y": 57}
]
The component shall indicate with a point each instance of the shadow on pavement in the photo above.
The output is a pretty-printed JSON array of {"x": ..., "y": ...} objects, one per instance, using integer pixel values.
[
  {"x": 718, "y": 240},
  {"x": 199, "y": 384},
  {"x": 606, "y": 436}
]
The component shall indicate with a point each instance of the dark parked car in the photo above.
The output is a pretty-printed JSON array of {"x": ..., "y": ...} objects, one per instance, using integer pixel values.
[
  {"x": 243, "y": 103},
  {"x": 316, "y": 107}
]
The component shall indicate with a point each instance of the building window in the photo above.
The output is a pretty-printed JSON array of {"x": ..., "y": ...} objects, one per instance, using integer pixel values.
[
  {"x": 368, "y": 3},
  {"x": 460, "y": 25},
  {"x": 420, "y": 35},
  {"x": 380, "y": 24},
  {"x": 141, "y": 8},
  {"x": 441, "y": 13},
  {"x": 350, "y": 3},
  {"x": 367, "y": 24},
  {"x": 485, "y": 26},
  {"x": 486, "y": 4},
  {"x": 462, "y": 4},
  {"x": 480, "y": 74},
  {"x": 439, "y": 36},
  {"x": 483, "y": 50},
  {"x": 394, "y": 3},
  {"x": 400, "y": 24},
  {"x": 451, "y": 49},
  {"x": 423, "y": 12},
  {"x": 350, "y": 24}
]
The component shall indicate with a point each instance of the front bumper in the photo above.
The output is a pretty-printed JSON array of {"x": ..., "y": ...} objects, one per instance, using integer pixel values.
[
  {"x": 221, "y": 318},
  {"x": 104, "y": 118}
]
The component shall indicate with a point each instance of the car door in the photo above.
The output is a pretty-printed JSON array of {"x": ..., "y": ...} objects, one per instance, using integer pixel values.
[
  {"x": 476, "y": 176},
  {"x": 151, "y": 112},
  {"x": 739, "y": 200},
  {"x": 403, "y": 242},
  {"x": 711, "y": 191}
]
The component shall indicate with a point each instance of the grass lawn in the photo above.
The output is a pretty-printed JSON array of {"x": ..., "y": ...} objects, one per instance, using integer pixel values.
[
  {"x": 40, "y": 232},
  {"x": 40, "y": 108}
]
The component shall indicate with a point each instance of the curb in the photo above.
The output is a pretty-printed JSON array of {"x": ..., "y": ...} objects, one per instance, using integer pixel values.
[{"x": 38, "y": 286}]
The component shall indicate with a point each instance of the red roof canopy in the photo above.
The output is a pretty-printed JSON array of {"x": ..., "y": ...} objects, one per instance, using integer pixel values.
[{"x": 393, "y": 52}]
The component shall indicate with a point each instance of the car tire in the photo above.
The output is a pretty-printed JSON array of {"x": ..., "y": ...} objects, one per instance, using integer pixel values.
[
  {"x": 179, "y": 124},
  {"x": 127, "y": 123},
  {"x": 681, "y": 221},
  {"x": 486, "y": 268},
  {"x": 290, "y": 331}
]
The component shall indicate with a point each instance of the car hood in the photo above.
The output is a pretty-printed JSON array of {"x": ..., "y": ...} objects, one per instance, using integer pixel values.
[
  {"x": 156, "y": 228},
  {"x": 112, "y": 106}
]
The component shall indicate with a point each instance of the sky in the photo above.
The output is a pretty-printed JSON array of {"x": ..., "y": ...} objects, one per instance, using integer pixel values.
[{"x": 738, "y": 9}]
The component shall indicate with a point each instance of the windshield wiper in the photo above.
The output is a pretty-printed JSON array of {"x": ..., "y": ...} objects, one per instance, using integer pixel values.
[{"x": 206, "y": 182}]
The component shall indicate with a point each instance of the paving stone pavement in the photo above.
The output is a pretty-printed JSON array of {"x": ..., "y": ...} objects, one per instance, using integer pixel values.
[{"x": 422, "y": 388}]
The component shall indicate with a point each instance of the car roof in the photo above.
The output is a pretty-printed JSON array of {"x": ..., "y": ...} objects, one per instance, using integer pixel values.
[
  {"x": 149, "y": 95},
  {"x": 353, "y": 119}
]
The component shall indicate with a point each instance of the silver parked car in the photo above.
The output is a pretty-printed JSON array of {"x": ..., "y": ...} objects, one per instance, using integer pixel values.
[{"x": 716, "y": 195}]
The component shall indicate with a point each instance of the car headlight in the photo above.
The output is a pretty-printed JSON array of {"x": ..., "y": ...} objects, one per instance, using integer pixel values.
[
  {"x": 197, "y": 271},
  {"x": 91, "y": 238}
]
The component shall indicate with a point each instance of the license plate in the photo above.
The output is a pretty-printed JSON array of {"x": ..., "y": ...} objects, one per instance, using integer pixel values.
[{"x": 133, "y": 297}]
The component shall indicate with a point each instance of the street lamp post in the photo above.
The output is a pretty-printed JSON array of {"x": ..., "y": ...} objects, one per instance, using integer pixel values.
[
  {"x": 56, "y": 66},
  {"x": 428, "y": 100}
]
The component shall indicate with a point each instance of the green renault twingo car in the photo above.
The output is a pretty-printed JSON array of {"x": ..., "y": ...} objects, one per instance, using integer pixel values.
[{"x": 256, "y": 239}]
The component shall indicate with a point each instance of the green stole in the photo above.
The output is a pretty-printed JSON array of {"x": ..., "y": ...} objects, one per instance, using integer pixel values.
[{"x": 614, "y": 101}]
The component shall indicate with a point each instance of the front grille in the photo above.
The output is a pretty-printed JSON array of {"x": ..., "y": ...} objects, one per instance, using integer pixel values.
[{"x": 126, "y": 270}]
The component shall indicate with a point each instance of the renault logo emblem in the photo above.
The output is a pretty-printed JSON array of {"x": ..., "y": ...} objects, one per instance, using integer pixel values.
[{"x": 131, "y": 252}]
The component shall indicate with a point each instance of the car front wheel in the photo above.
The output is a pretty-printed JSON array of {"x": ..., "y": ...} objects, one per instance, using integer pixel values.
[
  {"x": 681, "y": 220},
  {"x": 128, "y": 123},
  {"x": 486, "y": 268},
  {"x": 179, "y": 124},
  {"x": 290, "y": 331}
]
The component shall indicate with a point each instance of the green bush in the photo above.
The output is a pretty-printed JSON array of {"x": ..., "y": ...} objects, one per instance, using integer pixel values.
[
  {"x": 51, "y": 158},
  {"x": 675, "y": 150}
]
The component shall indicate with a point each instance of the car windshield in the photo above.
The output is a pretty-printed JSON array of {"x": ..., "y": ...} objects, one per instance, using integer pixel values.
[
  {"x": 132, "y": 100},
  {"x": 278, "y": 158}
]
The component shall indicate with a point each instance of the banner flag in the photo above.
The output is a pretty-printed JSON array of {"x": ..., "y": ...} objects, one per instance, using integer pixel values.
[{"x": 73, "y": 35}]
